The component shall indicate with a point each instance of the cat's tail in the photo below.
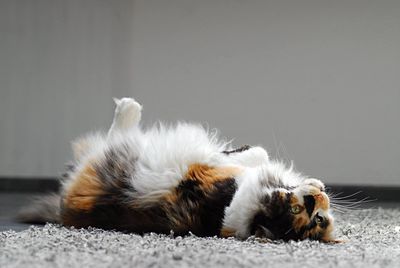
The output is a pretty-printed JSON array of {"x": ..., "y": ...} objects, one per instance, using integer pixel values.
[{"x": 43, "y": 209}]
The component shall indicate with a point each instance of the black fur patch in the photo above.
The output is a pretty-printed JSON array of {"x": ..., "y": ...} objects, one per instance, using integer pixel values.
[
  {"x": 116, "y": 168},
  {"x": 110, "y": 215},
  {"x": 213, "y": 207},
  {"x": 276, "y": 217},
  {"x": 309, "y": 203},
  {"x": 313, "y": 224},
  {"x": 324, "y": 224},
  {"x": 205, "y": 209}
]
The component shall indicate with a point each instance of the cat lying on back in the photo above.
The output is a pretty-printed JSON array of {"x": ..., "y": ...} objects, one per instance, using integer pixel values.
[{"x": 184, "y": 179}]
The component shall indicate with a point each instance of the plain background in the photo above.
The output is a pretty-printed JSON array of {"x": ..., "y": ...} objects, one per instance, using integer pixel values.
[{"x": 316, "y": 82}]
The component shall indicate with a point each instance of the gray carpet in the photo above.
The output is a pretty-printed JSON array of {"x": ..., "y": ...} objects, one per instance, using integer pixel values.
[{"x": 373, "y": 241}]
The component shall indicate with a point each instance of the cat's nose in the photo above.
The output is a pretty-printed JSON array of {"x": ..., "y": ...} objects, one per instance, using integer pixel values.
[{"x": 319, "y": 197}]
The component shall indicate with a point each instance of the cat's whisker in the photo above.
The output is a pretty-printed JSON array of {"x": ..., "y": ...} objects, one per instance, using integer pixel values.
[
  {"x": 332, "y": 194},
  {"x": 353, "y": 201},
  {"x": 350, "y": 206},
  {"x": 290, "y": 229},
  {"x": 338, "y": 210},
  {"x": 345, "y": 208},
  {"x": 346, "y": 196},
  {"x": 338, "y": 205},
  {"x": 347, "y": 203}
]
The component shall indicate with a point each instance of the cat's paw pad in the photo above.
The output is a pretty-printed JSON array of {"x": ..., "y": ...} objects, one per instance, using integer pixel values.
[
  {"x": 316, "y": 183},
  {"x": 127, "y": 112}
]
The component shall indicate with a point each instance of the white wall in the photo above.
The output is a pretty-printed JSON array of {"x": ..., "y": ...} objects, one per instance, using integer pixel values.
[
  {"x": 313, "y": 81},
  {"x": 60, "y": 63}
]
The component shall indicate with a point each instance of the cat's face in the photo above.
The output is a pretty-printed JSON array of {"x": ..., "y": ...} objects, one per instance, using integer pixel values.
[
  {"x": 311, "y": 218},
  {"x": 302, "y": 213}
]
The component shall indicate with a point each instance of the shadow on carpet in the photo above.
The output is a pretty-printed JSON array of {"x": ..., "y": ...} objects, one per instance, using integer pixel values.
[{"x": 373, "y": 240}]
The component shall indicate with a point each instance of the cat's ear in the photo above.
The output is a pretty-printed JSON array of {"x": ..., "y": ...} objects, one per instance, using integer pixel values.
[{"x": 263, "y": 232}]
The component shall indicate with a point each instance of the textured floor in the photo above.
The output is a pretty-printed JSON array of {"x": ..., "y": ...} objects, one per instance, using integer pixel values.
[{"x": 373, "y": 241}]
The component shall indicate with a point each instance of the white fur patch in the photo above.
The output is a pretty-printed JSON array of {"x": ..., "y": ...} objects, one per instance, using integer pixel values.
[{"x": 166, "y": 152}]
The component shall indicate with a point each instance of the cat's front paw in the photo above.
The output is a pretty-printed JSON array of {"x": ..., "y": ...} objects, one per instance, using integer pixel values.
[
  {"x": 127, "y": 113},
  {"x": 250, "y": 157},
  {"x": 316, "y": 183}
]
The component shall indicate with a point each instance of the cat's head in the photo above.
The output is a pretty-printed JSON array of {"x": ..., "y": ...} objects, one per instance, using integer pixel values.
[{"x": 297, "y": 214}]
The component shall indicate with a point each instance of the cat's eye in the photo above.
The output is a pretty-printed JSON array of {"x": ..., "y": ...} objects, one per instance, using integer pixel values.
[
  {"x": 318, "y": 218},
  {"x": 296, "y": 209}
]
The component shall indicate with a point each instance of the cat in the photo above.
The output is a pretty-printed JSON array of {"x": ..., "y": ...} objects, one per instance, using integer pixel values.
[{"x": 182, "y": 178}]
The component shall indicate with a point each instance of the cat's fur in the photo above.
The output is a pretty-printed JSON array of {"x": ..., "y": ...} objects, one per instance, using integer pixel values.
[{"x": 183, "y": 178}]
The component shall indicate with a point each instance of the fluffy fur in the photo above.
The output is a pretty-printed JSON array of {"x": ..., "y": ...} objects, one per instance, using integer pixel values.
[{"x": 185, "y": 179}]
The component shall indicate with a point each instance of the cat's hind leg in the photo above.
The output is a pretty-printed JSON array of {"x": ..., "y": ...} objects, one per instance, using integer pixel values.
[{"x": 127, "y": 115}]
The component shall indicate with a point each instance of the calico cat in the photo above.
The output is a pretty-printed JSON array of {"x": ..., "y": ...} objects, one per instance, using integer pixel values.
[{"x": 183, "y": 179}]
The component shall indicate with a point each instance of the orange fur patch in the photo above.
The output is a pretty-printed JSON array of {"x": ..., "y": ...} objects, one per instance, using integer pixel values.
[
  {"x": 171, "y": 198},
  {"x": 300, "y": 219},
  {"x": 84, "y": 190},
  {"x": 282, "y": 196},
  {"x": 227, "y": 232},
  {"x": 321, "y": 201},
  {"x": 209, "y": 175},
  {"x": 313, "y": 231},
  {"x": 293, "y": 200},
  {"x": 182, "y": 216},
  {"x": 328, "y": 235}
]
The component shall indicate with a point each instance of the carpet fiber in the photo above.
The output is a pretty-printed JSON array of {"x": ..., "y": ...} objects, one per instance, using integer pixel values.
[{"x": 373, "y": 241}]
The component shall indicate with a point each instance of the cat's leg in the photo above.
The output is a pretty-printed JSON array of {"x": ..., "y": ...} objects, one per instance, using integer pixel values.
[
  {"x": 250, "y": 157},
  {"x": 127, "y": 115},
  {"x": 277, "y": 173}
]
